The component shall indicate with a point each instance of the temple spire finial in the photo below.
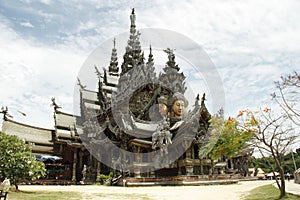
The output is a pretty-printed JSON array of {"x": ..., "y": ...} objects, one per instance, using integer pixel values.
[
  {"x": 150, "y": 57},
  {"x": 132, "y": 18},
  {"x": 203, "y": 99},
  {"x": 133, "y": 55},
  {"x": 197, "y": 101}
]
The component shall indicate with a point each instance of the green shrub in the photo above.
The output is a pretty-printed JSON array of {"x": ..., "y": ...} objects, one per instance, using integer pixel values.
[{"x": 102, "y": 178}]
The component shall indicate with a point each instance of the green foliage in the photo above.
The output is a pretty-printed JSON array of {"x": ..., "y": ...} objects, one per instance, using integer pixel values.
[
  {"x": 66, "y": 195},
  {"x": 263, "y": 163},
  {"x": 16, "y": 162},
  {"x": 232, "y": 138},
  {"x": 44, "y": 195},
  {"x": 102, "y": 178},
  {"x": 287, "y": 164},
  {"x": 216, "y": 125},
  {"x": 267, "y": 192}
]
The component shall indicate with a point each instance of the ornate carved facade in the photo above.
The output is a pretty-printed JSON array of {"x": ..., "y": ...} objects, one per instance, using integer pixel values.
[{"x": 130, "y": 126}]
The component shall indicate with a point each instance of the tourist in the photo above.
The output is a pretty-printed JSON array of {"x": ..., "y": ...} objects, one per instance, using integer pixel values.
[{"x": 288, "y": 175}]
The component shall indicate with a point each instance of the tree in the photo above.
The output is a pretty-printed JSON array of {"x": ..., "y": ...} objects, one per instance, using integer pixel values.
[
  {"x": 288, "y": 96},
  {"x": 16, "y": 162},
  {"x": 287, "y": 164},
  {"x": 273, "y": 137},
  {"x": 232, "y": 139},
  {"x": 227, "y": 140}
]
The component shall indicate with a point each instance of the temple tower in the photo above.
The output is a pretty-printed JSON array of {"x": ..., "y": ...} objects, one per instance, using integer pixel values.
[{"x": 171, "y": 78}]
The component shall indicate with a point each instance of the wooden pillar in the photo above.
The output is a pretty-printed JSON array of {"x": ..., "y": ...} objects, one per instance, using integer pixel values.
[
  {"x": 80, "y": 159},
  {"x": 188, "y": 153},
  {"x": 98, "y": 169},
  {"x": 192, "y": 152},
  {"x": 231, "y": 164},
  {"x": 137, "y": 170},
  {"x": 60, "y": 149},
  {"x": 91, "y": 166},
  {"x": 74, "y": 165},
  {"x": 201, "y": 167},
  {"x": 179, "y": 171}
]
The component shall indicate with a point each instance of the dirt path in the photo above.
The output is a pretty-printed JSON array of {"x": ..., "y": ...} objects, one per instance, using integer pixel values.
[{"x": 230, "y": 192}]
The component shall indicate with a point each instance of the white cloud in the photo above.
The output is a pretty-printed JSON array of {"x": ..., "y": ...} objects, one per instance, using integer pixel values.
[
  {"x": 31, "y": 75},
  {"x": 47, "y": 2},
  {"x": 27, "y": 24},
  {"x": 251, "y": 43}
]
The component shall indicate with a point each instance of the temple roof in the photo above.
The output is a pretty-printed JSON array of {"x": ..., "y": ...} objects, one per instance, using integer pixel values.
[
  {"x": 28, "y": 133},
  {"x": 111, "y": 80},
  {"x": 109, "y": 88},
  {"x": 92, "y": 106},
  {"x": 64, "y": 133},
  {"x": 140, "y": 142},
  {"x": 145, "y": 129},
  {"x": 89, "y": 95},
  {"x": 42, "y": 149},
  {"x": 64, "y": 120}
]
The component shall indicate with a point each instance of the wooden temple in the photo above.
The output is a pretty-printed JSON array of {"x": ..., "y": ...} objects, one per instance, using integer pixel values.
[{"x": 129, "y": 126}]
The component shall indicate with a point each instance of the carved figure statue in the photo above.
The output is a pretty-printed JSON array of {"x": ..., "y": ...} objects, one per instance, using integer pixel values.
[
  {"x": 83, "y": 173},
  {"x": 170, "y": 53},
  {"x": 178, "y": 105},
  {"x": 54, "y": 104},
  {"x": 79, "y": 83},
  {"x": 163, "y": 106},
  {"x": 5, "y": 113},
  {"x": 161, "y": 138}
]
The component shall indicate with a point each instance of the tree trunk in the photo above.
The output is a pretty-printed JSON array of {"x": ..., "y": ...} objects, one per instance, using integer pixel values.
[
  {"x": 282, "y": 189},
  {"x": 17, "y": 187},
  {"x": 282, "y": 181},
  {"x": 281, "y": 173}
]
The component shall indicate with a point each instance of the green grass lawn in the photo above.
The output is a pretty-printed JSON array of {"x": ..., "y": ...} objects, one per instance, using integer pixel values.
[
  {"x": 268, "y": 192},
  {"x": 41, "y": 195},
  {"x": 33, "y": 195}
]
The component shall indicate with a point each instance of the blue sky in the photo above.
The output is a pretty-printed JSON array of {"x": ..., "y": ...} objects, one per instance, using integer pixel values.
[{"x": 44, "y": 44}]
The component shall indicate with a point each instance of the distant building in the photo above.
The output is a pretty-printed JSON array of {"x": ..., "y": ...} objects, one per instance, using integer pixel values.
[{"x": 257, "y": 172}]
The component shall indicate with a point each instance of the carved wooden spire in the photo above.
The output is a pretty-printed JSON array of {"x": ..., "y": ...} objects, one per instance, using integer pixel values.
[
  {"x": 171, "y": 76},
  {"x": 133, "y": 55},
  {"x": 113, "y": 68}
]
